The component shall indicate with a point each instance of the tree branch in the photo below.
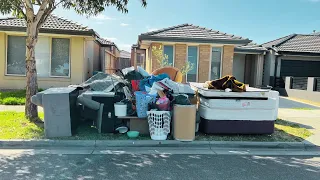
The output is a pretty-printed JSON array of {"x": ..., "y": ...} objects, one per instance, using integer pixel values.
[
  {"x": 56, "y": 5},
  {"x": 29, "y": 5},
  {"x": 42, "y": 10}
]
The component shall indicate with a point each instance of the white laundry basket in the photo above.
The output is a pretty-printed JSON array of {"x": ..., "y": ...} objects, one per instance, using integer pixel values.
[{"x": 159, "y": 124}]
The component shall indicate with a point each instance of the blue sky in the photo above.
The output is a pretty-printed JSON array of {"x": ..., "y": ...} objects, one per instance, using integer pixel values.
[{"x": 258, "y": 20}]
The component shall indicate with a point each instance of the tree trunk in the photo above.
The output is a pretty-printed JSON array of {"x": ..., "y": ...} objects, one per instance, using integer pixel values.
[{"x": 31, "y": 110}]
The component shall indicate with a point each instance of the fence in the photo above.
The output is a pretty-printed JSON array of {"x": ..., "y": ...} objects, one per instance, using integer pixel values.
[
  {"x": 317, "y": 85},
  {"x": 299, "y": 83}
]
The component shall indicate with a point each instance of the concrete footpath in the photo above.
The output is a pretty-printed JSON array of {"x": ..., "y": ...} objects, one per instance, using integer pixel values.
[{"x": 17, "y": 108}]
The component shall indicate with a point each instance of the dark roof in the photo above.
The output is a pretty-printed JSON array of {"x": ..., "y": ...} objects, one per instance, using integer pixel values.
[
  {"x": 192, "y": 33},
  {"x": 105, "y": 42},
  {"x": 304, "y": 43},
  {"x": 251, "y": 47},
  {"x": 53, "y": 24},
  {"x": 125, "y": 54}
]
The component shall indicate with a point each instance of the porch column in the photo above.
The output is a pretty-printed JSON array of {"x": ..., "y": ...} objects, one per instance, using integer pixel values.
[
  {"x": 227, "y": 60},
  {"x": 259, "y": 70}
]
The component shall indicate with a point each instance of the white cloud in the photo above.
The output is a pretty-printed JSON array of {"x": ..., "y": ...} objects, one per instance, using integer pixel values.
[
  {"x": 151, "y": 28},
  {"x": 124, "y": 24},
  {"x": 103, "y": 17}
]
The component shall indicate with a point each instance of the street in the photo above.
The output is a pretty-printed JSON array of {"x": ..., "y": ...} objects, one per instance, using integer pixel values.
[{"x": 145, "y": 163}]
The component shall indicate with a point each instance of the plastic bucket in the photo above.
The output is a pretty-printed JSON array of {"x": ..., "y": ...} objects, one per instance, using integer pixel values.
[
  {"x": 142, "y": 100},
  {"x": 120, "y": 109}
]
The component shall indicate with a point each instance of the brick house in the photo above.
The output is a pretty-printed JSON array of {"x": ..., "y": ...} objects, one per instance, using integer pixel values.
[{"x": 213, "y": 53}]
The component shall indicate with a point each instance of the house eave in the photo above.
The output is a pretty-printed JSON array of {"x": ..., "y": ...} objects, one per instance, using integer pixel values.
[
  {"x": 289, "y": 53},
  {"x": 194, "y": 40},
  {"x": 249, "y": 51},
  {"x": 51, "y": 31}
]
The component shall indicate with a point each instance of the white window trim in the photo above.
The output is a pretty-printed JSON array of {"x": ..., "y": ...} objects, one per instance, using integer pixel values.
[
  {"x": 174, "y": 52},
  {"x": 50, "y": 58},
  {"x": 221, "y": 60},
  {"x": 187, "y": 60}
]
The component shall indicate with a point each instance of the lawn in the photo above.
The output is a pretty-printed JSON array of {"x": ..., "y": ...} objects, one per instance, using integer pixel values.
[
  {"x": 13, "y": 125},
  {"x": 13, "y": 97}
]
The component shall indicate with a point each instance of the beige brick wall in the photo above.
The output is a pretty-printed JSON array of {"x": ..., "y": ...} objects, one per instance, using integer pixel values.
[
  {"x": 227, "y": 60},
  {"x": 204, "y": 63},
  {"x": 180, "y": 56},
  {"x": 154, "y": 63}
]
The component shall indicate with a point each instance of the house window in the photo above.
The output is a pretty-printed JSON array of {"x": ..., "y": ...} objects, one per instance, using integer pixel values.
[
  {"x": 168, "y": 50},
  {"x": 16, "y": 58},
  {"x": 215, "y": 63},
  {"x": 193, "y": 59},
  {"x": 59, "y": 56}
]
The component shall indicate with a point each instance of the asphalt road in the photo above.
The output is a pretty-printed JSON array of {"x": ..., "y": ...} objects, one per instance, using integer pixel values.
[
  {"x": 290, "y": 104},
  {"x": 157, "y": 166}
]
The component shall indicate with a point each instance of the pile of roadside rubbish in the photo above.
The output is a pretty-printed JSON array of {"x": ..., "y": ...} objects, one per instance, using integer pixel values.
[{"x": 131, "y": 101}]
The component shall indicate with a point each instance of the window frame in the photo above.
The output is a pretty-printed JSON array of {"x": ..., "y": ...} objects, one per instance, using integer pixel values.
[
  {"x": 198, "y": 57},
  {"x": 69, "y": 76},
  {"x": 6, "y": 63},
  {"x": 221, "y": 60},
  {"x": 173, "y": 52},
  {"x": 50, "y": 58}
]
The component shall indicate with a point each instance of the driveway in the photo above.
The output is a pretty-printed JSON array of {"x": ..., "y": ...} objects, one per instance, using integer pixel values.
[
  {"x": 305, "y": 115},
  {"x": 290, "y": 104}
]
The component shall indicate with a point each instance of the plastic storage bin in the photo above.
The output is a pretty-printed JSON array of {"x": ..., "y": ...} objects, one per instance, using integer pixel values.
[
  {"x": 120, "y": 109},
  {"x": 142, "y": 100},
  {"x": 159, "y": 124}
]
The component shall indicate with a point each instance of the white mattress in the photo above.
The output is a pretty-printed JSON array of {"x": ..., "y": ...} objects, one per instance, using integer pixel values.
[
  {"x": 251, "y": 92},
  {"x": 237, "y": 114}
]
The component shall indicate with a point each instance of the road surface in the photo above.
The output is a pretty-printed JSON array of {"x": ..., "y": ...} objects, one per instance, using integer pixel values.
[{"x": 145, "y": 165}]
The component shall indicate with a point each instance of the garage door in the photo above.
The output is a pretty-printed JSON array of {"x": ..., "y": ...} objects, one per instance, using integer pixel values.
[{"x": 297, "y": 68}]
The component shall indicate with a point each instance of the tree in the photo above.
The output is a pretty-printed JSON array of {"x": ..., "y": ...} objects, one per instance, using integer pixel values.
[
  {"x": 27, "y": 9},
  {"x": 163, "y": 60}
]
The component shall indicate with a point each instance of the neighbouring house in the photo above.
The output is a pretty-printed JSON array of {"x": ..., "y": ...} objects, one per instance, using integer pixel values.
[
  {"x": 296, "y": 55},
  {"x": 66, "y": 53},
  {"x": 124, "y": 59},
  {"x": 213, "y": 53},
  {"x": 292, "y": 66},
  {"x": 109, "y": 55}
]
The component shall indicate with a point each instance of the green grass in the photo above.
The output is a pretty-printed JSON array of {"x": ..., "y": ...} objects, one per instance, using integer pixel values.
[
  {"x": 14, "y": 97},
  {"x": 14, "y": 125}
]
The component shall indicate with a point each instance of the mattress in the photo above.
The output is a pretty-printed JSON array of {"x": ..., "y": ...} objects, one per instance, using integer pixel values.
[
  {"x": 239, "y": 113},
  {"x": 212, "y": 93}
]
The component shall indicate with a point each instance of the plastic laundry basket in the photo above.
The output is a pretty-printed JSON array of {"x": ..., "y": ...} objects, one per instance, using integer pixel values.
[
  {"x": 142, "y": 100},
  {"x": 159, "y": 124}
]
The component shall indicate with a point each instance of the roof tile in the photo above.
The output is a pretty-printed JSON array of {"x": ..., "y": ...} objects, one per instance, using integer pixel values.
[{"x": 52, "y": 23}]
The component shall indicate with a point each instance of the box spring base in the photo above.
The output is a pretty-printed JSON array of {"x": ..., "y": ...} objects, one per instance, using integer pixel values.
[{"x": 236, "y": 127}]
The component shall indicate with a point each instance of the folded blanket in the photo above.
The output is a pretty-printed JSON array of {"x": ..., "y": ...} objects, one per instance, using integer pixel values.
[{"x": 226, "y": 82}]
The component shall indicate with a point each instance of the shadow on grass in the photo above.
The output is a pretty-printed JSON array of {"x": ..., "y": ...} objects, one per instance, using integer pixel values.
[{"x": 13, "y": 97}]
